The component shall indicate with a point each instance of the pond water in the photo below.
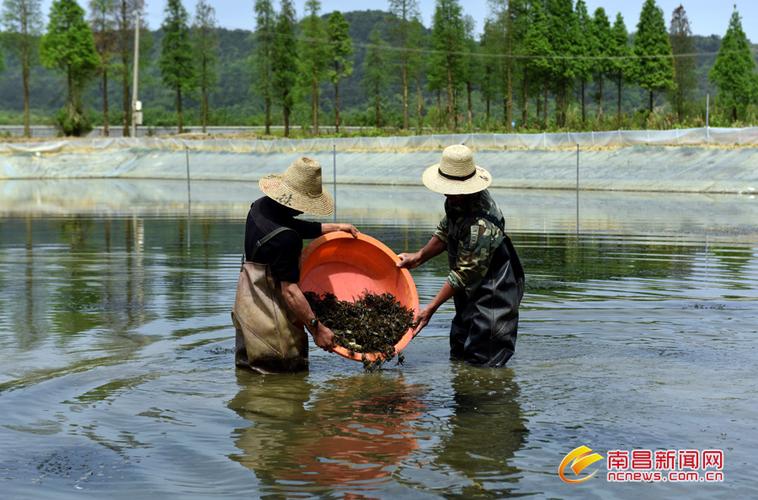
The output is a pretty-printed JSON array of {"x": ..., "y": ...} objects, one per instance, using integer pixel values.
[{"x": 639, "y": 331}]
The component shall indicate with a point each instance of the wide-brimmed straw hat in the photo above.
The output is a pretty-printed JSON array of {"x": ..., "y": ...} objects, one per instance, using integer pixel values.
[
  {"x": 299, "y": 187},
  {"x": 456, "y": 173}
]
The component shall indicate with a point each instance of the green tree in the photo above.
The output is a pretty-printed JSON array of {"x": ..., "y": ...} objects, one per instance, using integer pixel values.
[
  {"x": 376, "y": 72},
  {"x": 654, "y": 62},
  {"x": 603, "y": 38},
  {"x": 126, "y": 16},
  {"x": 284, "y": 63},
  {"x": 417, "y": 39},
  {"x": 23, "y": 22},
  {"x": 587, "y": 46},
  {"x": 472, "y": 68},
  {"x": 683, "y": 48},
  {"x": 563, "y": 29},
  {"x": 176, "y": 60},
  {"x": 340, "y": 57},
  {"x": 510, "y": 20},
  {"x": 734, "y": 69},
  {"x": 69, "y": 46},
  {"x": 265, "y": 37},
  {"x": 314, "y": 56},
  {"x": 127, "y": 12},
  {"x": 619, "y": 51},
  {"x": 405, "y": 12},
  {"x": 103, "y": 22},
  {"x": 538, "y": 52},
  {"x": 448, "y": 38},
  {"x": 489, "y": 46},
  {"x": 205, "y": 41}
]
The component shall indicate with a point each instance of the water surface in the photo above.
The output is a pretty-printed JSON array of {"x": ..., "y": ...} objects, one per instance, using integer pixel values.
[{"x": 117, "y": 378}]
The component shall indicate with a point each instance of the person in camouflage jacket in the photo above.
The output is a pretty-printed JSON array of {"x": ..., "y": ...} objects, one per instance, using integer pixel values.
[{"x": 486, "y": 279}]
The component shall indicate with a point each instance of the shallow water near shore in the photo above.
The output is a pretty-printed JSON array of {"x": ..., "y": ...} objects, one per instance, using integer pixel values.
[{"x": 638, "y": 331}]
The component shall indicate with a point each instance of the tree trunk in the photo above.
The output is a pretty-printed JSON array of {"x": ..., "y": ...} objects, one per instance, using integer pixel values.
[
  {"x": 125, "y": 68},
  {"x": 584, "y": 109},
  {"x": 487, "y": 100},
  {"x": 25, "y": 83},
  {"x": 651, "y": 102},
  {"x": 439, "y": 109},
  {"x": 204, "y": 111},
  {"x": 286, "y": 112},
  {"x": 600, "y": 99},
  {"x": 106, "y": 125},
  {"x": 314, "y": 105},
  {"x": 544, "y": 108},
  {"x": 509, "y": 96},
  {"x": 337, "y": 108},
  {"x": 179, "y": 114},
  {"x": 419, "y": 108},
  {"x": 405, "y": 96},
  {"x": 267, "y": 106},
  {"x": 619, "y": 85},
  {"x": 204, "y": 96},
  {"x": 449, "y": 96},
  {"x": 469, "y": 106},
  {"x": 378, "y": 110},
  {"x": 525, "y": 99}
]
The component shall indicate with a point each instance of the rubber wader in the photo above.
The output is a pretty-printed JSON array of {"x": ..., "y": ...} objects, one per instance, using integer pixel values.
[
  {"x": 484, "y": 329},
  {"x": 269, "y": 337}
]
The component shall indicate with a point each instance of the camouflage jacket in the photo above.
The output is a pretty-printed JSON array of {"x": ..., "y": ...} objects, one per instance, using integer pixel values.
[{"x": 472, "y": 237}]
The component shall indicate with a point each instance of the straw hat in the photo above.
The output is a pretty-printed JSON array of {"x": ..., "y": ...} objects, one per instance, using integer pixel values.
[
  {"x": 456, "y": 173},
  {"x": 299, "y": 187}
]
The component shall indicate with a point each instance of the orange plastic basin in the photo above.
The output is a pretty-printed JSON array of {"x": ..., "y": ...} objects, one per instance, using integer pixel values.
[{"x": 348, "y": 267}]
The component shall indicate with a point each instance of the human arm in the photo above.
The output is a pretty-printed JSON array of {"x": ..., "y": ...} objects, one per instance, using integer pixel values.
[
  {"x": 434, "y": 247},
  {"x": 426, "y": 314},
  {"x": 296, "y": 302},
  {"x": 332, "y": 227}
]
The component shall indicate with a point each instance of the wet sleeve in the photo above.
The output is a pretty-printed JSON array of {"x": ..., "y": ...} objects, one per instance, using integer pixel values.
[
  {"x": 474, "y": 255},
  {"x": 285, "y": 264},
  {"x": 306, "y": 229},
  {"x": 441, "y": 231}
]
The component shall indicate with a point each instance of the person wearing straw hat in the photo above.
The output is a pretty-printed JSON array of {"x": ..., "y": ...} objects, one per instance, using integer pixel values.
[
  {"x": 486, "y": 279},
  {"x": 270, "y": 310}
]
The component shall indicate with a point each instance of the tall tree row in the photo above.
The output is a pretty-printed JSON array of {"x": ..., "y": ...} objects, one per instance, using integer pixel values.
[{"x": 406, "y": 13}]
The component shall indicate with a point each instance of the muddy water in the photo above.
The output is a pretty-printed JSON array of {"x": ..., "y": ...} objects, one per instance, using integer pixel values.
[{"x": 116, "y": 373}]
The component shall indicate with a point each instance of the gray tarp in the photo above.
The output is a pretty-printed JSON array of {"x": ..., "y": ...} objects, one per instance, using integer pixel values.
[{"x": 607, "y": 160}]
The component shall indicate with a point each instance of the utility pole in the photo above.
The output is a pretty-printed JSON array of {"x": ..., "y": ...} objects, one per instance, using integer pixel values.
[{"x": 135, "y": 82}]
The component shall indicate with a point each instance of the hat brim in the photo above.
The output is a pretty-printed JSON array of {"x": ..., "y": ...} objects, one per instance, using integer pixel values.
[
  {"x": 275, "y": 188},
  {"x": 439, "y": 184}
]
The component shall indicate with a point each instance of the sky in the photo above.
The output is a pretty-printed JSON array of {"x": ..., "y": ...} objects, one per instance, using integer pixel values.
[{"x": 707, "y": 17}]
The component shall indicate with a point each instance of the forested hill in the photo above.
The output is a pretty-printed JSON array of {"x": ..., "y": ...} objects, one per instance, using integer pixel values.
[{"x": 233, "y": 101}]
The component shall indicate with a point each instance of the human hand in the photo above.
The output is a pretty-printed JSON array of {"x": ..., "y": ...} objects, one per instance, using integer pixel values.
[
  {"x": 408, "y": 261},
  {"x": 349, "y": 228},
  {"x": 423, "y": 319},
  {"x": 324, "y": 338}
]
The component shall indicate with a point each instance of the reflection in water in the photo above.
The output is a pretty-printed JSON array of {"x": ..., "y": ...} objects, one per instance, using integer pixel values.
[
  {"x": 346, "y": 434},
  {"x": 485, "y": 431},
  {"x": 115, "y": 330}
]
